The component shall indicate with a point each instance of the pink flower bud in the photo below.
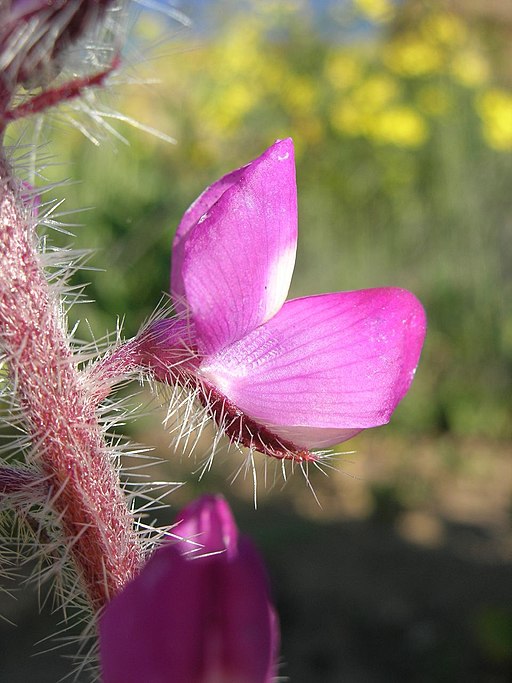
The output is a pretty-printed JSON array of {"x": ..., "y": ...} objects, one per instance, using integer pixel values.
[{"x": 199, "y": 612}]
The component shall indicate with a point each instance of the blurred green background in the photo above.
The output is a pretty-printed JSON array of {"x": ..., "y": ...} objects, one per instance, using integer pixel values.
[{"x": 401, "y": 115}]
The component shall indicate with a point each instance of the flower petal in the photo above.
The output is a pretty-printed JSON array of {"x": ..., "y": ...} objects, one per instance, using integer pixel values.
[
  {"x": 194, "y": 618},
  {"x": 237, "y": 259},
  {"x": 190, "y": 218},
  {"x": 207, "y": 525},
  {"x": 324, "y": 367},
  {"x": 250, "y": 622},
  {"x": 153, "y": 630}
]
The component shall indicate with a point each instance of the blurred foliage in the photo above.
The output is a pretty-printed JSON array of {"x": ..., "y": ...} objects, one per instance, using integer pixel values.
[
  {"x": 493, "y": 629},
  {"x": 403, "y": 134}
]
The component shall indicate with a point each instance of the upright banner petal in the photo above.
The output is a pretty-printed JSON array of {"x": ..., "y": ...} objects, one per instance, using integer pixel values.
[
  {"x": 190, "y": 218},
  {"x": 237, "y": 260},
  {"x": 325, "y": 367}
]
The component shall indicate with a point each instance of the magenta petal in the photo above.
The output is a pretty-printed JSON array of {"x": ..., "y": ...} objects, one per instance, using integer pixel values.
[
  {"x": 206, "y": 526},
  {"x": 237, "y": 260},
  {"x": 250, "y": 622},
  {"x": 325, "y": 367},
  {"x": 194, "y": 618},
  {"x": 191, "y": 216},
  {"x": 153, "y": 630}
]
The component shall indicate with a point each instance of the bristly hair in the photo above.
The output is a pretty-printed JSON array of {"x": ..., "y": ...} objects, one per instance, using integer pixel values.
[
  {"x": 72, "y": 51},
  {"x": 201, "y": 430},
  {"x": 30, "y": 529}
]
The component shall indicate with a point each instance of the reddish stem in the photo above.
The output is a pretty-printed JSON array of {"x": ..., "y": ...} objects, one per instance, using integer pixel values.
[
  {"x": 60, "y": 415},
  {"x": 53, "y": 96}
]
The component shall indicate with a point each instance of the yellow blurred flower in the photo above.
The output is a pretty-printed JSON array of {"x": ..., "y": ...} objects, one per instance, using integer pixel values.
[
  {"x": 299, "y": 94},
  {"x": 342, "y": 70},
  {"x": 445, "y": 28},
  {"x": 434, "y": 100},
  {"x": 394, "y": 124},
  {"x": 230, "y": 105},
  {"x": 401, "y": 126},
  {"x": 372, "y": 110},
  {"x": 495, "y": 109},
  {"x": 470, "y": 68},
  {"x": 375, "y": 92},
  {"x": 239, "y": 51},
  {"x": 376, "y": 10},
  {"x": 346, "y": 118},
  {"x": 411, "y": 55}
]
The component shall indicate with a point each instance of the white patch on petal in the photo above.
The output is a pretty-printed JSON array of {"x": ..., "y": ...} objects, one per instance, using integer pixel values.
[
  {"x": 313, "y": 437},
  {"x": 219, "y": 380},
  {"x": 279, "y": 277}
]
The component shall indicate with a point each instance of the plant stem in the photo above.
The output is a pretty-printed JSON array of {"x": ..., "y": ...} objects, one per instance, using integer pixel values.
[
  {"x": 60, "y": 415},
  {"x": 53, "y": 96}
]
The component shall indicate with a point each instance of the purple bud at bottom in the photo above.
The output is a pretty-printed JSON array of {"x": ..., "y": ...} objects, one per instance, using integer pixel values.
[{"x": 199, "y": 612}]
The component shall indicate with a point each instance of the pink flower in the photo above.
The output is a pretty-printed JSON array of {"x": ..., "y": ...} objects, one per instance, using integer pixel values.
[
  {"x": 282, "y": 377},
  {"x": 199, "y": 612}
]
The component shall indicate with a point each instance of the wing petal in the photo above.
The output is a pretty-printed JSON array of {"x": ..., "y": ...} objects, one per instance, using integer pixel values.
[{"x": 325, "y": 367}]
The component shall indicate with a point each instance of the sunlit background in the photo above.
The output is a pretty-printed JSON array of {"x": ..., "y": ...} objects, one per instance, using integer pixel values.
[{"x": 401, "y": 113}]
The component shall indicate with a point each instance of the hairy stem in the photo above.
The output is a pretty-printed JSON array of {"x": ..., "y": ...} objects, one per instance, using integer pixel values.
[
  {"x": 52, "y": 96},
  {"x": 60, "y": 415}
]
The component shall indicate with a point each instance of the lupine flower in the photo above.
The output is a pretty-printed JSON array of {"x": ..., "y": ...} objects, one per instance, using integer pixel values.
[
  {"x": 199, "y": 612},
  {"x": 281, "y": 377}
]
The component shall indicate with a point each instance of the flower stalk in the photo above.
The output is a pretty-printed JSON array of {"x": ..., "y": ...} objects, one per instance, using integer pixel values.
[
  {"x": 68, "y": 441},
  {"x": 62, "y": 93}
]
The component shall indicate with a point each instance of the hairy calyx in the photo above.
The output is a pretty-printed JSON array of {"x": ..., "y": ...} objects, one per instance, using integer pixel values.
[
  {"x": 167, "y": 352},
  {"x": 242, "y": 429}
]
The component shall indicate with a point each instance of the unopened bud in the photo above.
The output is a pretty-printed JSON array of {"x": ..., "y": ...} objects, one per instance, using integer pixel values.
[{"x": 34, "y": 35}]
